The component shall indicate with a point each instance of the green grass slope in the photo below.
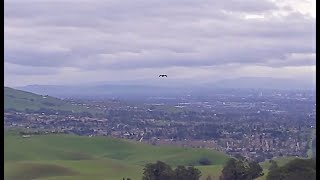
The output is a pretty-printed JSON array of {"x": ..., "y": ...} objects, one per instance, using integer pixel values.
[
  {"x": 22, "y": 100},
  {"x": 76, "y": 157},
  {"x": 281, "y": 161}
]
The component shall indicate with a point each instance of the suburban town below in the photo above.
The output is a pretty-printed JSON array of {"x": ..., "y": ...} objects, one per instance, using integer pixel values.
[{"x": 257, "y": 125}]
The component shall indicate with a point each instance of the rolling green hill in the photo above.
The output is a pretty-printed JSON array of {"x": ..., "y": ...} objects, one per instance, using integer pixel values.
[
  {"x": 77, "y": 157},
  {"x": 22, "y": 100},
  {"x": 281, "y": 161}
]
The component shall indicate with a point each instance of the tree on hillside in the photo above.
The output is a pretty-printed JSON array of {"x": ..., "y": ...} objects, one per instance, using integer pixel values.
[
  {"x": 190, "y": 173},
  {"x": 158, "y": 171},
  {"x": 180, "y": 172},
  {"x": 240, "y": 157},
  {"x": 205, "y": 161},
  {"x": 233, "y": 170},
  {"x": 295, "y": 170},
  {"x": 162, "y": 171},
  {"x": 255, "y": 170},
  {"x": 273, "y": 165},
  {"x": 194, "y": 173},
  {"x": 241, "y": 169}
]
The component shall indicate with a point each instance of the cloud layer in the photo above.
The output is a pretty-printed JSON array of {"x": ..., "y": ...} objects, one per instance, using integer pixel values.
[{"x": 95, "y": 36}]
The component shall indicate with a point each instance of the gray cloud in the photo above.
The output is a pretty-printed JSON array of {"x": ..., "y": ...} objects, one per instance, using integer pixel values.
[
  {"x": 93, "y": 35},
  {"x": 28, "y": 70}
]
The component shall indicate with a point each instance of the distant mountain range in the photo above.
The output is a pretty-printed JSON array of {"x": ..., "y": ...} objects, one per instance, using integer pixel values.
[
  {"x": 266, "y": 83},
  {"x": 161, "y": 88},
  {"x": 105, "y": 90}
]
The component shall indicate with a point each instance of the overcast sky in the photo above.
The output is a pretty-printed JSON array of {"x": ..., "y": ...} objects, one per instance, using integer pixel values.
[{"x": 82, "y": 41}]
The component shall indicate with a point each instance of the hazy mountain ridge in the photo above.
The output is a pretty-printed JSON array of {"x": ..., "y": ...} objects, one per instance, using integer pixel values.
[
  {"x": 165, "y": 87},
  {"x": 265, "y": 83}
]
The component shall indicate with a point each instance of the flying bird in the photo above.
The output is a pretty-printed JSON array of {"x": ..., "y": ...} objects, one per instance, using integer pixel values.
[{"x": 163, "y": 75}]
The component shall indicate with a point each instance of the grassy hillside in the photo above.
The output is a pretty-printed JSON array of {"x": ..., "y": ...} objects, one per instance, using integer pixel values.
[
  {"x": 281, "y": 161},
  {"x": 76, "y": 157},
  {"x": 21, "y": 100},
  {"x": 69, "y": 157}
]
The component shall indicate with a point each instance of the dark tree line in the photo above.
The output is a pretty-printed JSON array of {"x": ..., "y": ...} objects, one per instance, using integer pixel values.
[
  {"x": 235, "y": 169},
  {"x": 162, "y": 171},
  {"x": 296, "y": 169},
  {"x": 241, "y": 169}
]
